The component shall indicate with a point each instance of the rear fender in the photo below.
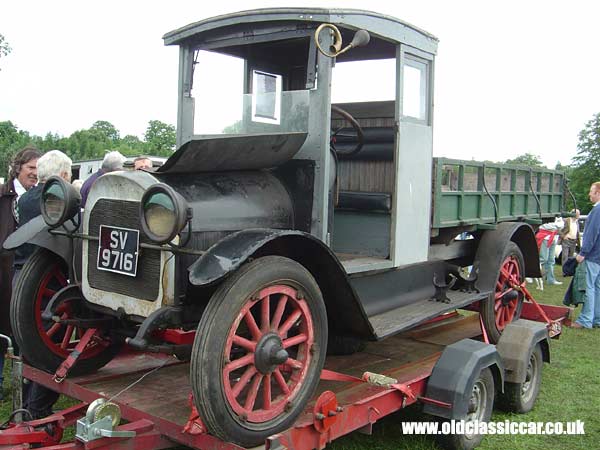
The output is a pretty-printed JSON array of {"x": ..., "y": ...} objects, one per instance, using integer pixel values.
[
  {"x": 344, "y": 309},
  {"x": 491, "y": 249}
]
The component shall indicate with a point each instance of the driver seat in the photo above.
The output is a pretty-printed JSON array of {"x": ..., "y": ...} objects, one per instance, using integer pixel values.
[{"x": 366, "y": 180}]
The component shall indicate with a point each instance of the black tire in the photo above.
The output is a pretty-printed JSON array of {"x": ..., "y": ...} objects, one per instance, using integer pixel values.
[
  {"x": 520, "y": 397},
  {"x": 295, "y": 309},
  {"x": 338, "y": 345},
  {"x": 505, "y": 305},
  {"x": 481, "y": 405},
  {"x": 43, "y": 343}
]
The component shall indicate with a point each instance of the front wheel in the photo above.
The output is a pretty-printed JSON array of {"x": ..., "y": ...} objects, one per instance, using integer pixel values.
[
  {"x": 46, "y": 344},
  {"x": 507, "y": 301},
  {"x": 259, "y": 350}
]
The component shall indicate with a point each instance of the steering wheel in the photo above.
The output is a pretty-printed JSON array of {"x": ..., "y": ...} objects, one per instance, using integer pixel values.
[{"x": 359, "y": 132}]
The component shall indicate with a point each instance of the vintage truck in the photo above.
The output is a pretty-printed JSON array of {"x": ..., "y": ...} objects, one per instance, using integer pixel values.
[{"x": 287, "y": 224}]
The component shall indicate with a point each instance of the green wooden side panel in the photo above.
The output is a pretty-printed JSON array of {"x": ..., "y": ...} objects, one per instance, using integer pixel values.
[{"x": 473, "y": 193}]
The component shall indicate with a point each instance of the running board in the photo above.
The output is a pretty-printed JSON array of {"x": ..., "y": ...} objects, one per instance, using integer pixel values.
[{"x": 404, "y": 317}]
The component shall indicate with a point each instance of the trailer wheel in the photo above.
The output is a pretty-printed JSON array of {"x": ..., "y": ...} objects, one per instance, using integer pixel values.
[
  {"x": 46, "y": 344},
  {"x": 480, "y": 406},
  {"x": 520, "y": 397},
  {"x": 259, "y": 350},
  {"x": 505, "y": 307}
]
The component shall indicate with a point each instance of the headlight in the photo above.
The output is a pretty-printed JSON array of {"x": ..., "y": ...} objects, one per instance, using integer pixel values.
[
  {"x": 163, "y": 213},
  {"x": 60, "y": 201}
]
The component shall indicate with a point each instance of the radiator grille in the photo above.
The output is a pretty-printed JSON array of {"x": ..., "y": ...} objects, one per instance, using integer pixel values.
[{"x": 119, "y": 213}]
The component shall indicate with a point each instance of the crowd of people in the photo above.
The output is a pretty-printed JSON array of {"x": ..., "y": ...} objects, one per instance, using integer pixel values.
[{"x": 20, "y": 203}]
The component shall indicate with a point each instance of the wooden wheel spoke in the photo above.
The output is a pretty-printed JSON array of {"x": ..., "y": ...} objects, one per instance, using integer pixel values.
[
  {"x": 60, "y": 277},
  {"x": 298, "y": 339},
  {"x": 244, "y": 343},
  {"x": 281, "y": 381},
  {"x": 243, "y": 381},
  {"x": 503, "y": 293},
  {"x": 294, "y": 363},
  {"x": 252, "y": 326},
  {"x": 47, "y": 292},
  {"x": 265, "y": 314},
  {"x": 53, "y": 329},
  {"x": 279, "y": 311},
  {"x": 266, "y": 395},
  {"x": 289, "y": 323},
  {"x": 239, "y": 363},
  {"x": 67, "y": 336},
  {"x": 253, "y": 392}
]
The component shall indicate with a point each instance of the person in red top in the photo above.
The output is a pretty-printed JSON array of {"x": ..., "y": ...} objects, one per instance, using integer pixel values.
[{"x": 547, "y": 238}]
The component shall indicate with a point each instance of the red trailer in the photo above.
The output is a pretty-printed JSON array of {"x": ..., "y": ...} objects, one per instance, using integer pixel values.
[{"x": 427, "y": 364}]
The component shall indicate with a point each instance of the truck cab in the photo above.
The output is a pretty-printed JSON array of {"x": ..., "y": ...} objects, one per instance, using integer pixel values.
[{"x": 263, "y": 74}]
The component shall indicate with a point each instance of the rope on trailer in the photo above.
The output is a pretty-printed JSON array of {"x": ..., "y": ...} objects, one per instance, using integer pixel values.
[
  {"x": 138, "y": 380},
  {"x": 7, "y": 424}
]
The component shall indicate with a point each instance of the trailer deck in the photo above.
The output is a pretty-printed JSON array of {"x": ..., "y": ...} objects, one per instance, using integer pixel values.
[{"x": 153, "y": 390}]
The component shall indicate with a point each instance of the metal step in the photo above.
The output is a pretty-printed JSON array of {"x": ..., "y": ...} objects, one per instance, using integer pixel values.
[{"x": 407, "y": 316}]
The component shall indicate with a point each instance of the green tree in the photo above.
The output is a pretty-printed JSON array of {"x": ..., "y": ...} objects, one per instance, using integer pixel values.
[
  {"x": 160, "y": 138},
  {"x": 586, "y": 164},
  {"x": 527, "y": 159},
  {"x": 4, "y": 47},
  {"x": 106, "y": 131},
  {"x": 130, "y": 145}
]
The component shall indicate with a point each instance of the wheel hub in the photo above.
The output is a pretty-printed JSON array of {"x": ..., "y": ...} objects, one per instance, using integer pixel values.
[
  {"x": 269, "y": 353},
  {"x": 509, "y": 297}
]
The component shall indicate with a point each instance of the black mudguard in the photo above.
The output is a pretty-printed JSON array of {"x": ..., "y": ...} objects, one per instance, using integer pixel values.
[
  {"x": 455, "y": 373},
  {"x": 36, "y": 232},
  {"x": 344, "y": 309},
  {"x": 491, "y": 249},
  {"x": 518, "y": 340}
]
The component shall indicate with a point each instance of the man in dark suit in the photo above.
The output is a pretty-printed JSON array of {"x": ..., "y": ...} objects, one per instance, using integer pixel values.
[{"x": 21, "y": 177}]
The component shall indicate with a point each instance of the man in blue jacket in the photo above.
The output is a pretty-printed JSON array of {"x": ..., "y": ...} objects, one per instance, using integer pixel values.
[{"x": 590, "y": 252}]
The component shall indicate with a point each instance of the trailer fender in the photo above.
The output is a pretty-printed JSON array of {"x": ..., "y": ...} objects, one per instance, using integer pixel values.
[
  {"x": 344, "y": 309},
  {"x": 516, "y": 344},
  {"x": 454, "y": 374},
  {"x": 36, "y": 232},
  {"x": 491, "y": 249}
]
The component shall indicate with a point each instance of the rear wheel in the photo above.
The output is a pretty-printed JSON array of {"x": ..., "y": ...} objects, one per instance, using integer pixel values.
[
  {"x": 45, "y": 344},
  {"x": 506, "y": 304},
  {"x": 520, "y": 397},
  {"x": 259, "y": 350},
  {"x": 479, "y": 409}
]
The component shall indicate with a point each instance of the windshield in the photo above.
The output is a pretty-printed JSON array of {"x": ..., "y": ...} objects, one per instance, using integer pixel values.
[{"x": 230, "y": 97}]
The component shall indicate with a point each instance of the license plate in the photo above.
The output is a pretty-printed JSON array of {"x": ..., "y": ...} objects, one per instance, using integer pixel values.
[{"x": 118, "y": 250}]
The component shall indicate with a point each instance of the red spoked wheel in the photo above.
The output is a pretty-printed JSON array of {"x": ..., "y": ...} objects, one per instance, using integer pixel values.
[
  {"x": 507, "y": 302},
  {"x": 45, "y": 344},
  {"x": 259, "y": 350},
  {"x": 506, "y": 296},
  {"x": 268, "y": 356}
]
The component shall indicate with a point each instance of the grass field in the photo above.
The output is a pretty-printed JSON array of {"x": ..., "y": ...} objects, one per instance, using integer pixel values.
[{"x": 570, "y": 390}]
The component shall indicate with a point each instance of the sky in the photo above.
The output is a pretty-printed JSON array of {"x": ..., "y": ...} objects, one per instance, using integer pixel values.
[{"x": 512, "y": 77}]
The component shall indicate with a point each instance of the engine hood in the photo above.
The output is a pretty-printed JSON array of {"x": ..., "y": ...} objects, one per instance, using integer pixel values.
[{"x": 234, "y": 152}]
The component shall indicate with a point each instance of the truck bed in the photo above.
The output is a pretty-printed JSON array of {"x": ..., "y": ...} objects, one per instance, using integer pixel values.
[{"x": 473, "y": 193}]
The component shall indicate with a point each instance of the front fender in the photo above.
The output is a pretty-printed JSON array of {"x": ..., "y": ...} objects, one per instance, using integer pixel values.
[
  {"x": 36, "y": 232},
  {"x": 231, "y": 252},
  {"x": 344, "y": 308}
]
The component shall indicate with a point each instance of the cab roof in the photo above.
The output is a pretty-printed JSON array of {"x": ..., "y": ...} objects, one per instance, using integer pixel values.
[{"x": 243, "y": 24}]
